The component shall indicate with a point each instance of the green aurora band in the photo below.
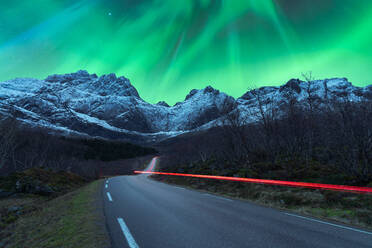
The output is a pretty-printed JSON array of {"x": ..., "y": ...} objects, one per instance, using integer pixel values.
[{"x": 168, "y": 47}]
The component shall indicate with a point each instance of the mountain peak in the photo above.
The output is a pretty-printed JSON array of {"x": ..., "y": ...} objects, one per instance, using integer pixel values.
[
  {"x": 206, "y": 90},
  {"x": 163, "y": 103},
  {"x": 293, "y": 85},
  {"x": 109, "y": 106},
  {"x": 63, "y": 78},
  {"x": 210, "y": 89},
  {"x": 108, "y": 84},
  {"x": 191, "y": 93}
]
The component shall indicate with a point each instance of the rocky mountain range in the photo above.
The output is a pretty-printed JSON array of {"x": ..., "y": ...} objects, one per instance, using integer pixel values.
[{"x": 84, "y": 104}]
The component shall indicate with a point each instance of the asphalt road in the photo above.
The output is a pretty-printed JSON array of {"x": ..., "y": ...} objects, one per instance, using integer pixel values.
[{"x": 141, "y": 212}]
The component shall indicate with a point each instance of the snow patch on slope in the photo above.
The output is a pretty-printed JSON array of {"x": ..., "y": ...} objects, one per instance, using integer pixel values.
[{"x": 76, "y": 101}]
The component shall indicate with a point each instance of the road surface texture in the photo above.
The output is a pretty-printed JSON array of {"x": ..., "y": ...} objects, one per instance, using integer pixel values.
[{"x": 141, "y": 212}]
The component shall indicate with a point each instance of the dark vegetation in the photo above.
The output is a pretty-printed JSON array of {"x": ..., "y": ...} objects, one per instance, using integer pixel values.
[
  {"x": 112, "y": 150},
  {"x": 321, "y": 140},
  {"x": 125, "y": 166},
  {"x": 22, "y": 148},
  {"x": 42, "y": 201},
  {"x": 41, "y": 207},
  {"x": 39, "y": 173},
  {"x": 316, "y": 140},
  {"x": 29, "y": 189},
  {"x": 41, "y": 182}
]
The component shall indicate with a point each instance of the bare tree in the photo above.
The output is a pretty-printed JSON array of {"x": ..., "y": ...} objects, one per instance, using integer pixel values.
[
  {"x": 234, "y": 123},
  {"x": 351, "y": 138},
  {"x": 266, "y": 116},
  {"x": 8, "y": 129},
  {"x": 311, "y": 108}
]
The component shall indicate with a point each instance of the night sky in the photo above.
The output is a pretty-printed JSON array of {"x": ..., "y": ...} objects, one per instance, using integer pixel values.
[{"x": 168, "y": 47}]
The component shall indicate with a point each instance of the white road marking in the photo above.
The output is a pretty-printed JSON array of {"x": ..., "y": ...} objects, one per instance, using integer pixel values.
[
  {"x": 106, "y": 186},
  {"x": 222, "y": 198},
  {"x": 109, "y": 196},
  {"x": 178, "y": 187},
  {"x": 331, "y": 224},
  {"x": 131, "y": 242}
]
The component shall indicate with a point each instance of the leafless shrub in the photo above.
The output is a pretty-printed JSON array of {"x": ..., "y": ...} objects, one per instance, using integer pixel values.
[{"x": 334, "y": 133}]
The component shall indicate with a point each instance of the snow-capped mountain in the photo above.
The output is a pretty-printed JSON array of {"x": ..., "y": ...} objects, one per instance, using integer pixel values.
[
  {"x": 109, "y": 106},
  {"x": 315, "y": 92}
]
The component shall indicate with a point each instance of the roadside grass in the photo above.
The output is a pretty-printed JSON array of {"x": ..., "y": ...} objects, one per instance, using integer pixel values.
[
  {"x": 12, "y": 208},
  {"x": 62, "y": 182},
  {"x": 349, "y": 208},
  {"x": 71, "y": 220}
]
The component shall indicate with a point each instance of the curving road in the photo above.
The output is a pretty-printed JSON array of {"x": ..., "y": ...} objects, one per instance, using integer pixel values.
[{"x": 141, "y": 212}]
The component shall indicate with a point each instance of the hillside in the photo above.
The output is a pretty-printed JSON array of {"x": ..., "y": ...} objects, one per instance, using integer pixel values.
[{"x": 84, "y": 104}]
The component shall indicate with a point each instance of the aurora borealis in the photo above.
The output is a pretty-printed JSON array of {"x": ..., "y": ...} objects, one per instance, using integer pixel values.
[{"x": 168, "y": 47}]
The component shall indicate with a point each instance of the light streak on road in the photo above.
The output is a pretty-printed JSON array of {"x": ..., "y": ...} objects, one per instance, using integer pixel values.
[{"x": 353, "y": 189}]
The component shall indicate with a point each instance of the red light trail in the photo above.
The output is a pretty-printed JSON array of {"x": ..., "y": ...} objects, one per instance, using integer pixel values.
[{"x": 353, "y": 189}]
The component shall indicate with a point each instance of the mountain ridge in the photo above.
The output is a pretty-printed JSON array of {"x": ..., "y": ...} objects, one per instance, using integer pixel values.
[{"x": 111, "y": 107}]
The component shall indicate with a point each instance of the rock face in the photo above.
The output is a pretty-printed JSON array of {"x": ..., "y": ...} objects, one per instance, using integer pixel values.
[{"x": 109, "y": 106}]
